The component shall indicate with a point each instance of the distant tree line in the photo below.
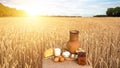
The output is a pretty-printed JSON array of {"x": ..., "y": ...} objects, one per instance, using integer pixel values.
[
  {"x": 111, "y": 12},
  {"x": 100, "y": 16},
  {"x": 114, "y": 12},
  {"x": 7, "y": 11}
]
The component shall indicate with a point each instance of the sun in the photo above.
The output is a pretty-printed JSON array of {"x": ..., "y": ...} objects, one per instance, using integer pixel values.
[
  {"x": 38, "y": 8},
  {"x": 32, "y": 11}
]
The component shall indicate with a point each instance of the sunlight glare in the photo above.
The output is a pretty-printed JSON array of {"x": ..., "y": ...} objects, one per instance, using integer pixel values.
[
  {"x": 32, "y": 11},
  {"x": 36, "y": 8}
]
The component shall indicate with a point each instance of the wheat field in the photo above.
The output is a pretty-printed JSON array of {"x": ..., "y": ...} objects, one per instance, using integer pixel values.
[{"x": 23, "y": 40}]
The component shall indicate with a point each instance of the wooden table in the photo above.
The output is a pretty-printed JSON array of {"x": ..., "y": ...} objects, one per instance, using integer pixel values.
[{"x": 48, "y": 63}]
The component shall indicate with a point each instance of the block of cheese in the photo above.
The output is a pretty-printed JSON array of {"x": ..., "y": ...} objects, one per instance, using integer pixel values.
[{"x": 48, "y": 53}]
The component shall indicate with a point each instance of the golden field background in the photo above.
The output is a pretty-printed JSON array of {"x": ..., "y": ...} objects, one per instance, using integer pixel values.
[{"x": 23, "y": 40}]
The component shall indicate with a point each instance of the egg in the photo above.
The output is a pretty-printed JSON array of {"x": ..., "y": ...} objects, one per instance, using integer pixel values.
[
  {"x": 62, "y": 59},
  {"x": 56, "y": 59},
  {"x": 72, "y": 56}
]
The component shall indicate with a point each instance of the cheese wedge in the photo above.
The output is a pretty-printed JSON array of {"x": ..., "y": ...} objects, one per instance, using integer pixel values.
[{"x": 48, "y": 53}]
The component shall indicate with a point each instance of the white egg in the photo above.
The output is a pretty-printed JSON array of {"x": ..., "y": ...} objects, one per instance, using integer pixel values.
[{"x": 72, "y": 55}]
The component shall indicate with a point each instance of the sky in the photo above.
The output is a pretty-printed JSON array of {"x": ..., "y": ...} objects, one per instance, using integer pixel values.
[{"x": 63, "y": 7}]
